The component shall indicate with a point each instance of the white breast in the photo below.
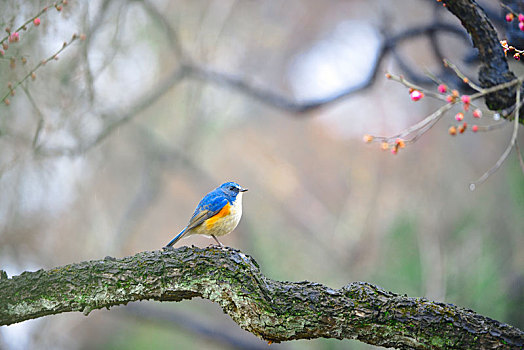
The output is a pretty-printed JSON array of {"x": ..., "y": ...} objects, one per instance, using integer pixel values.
[
  {"x": 227, "y": 224},
  {"x": 236, "y": 209}
]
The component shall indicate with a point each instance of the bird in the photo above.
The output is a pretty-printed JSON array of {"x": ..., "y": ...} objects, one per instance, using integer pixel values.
[{"x": 217, "y": 214}]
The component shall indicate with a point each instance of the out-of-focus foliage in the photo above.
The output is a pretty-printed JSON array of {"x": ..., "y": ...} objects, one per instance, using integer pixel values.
[{"x": 107, "y": 152}]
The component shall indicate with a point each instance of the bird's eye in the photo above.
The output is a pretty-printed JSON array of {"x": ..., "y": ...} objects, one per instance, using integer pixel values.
[{"x": 232, "y": 188}]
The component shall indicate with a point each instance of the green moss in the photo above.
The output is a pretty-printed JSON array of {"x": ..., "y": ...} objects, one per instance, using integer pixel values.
[{"x": 437, "y": 341}]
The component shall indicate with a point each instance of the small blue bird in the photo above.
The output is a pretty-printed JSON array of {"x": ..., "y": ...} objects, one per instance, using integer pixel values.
[{"x": 217, "y": 214}]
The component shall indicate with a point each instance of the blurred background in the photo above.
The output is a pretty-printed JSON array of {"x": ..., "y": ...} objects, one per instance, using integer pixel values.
[{"x": 110, "y": 148}]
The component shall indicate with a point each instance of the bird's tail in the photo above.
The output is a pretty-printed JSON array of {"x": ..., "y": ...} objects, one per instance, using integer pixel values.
[{"x": 177, "y": 238}]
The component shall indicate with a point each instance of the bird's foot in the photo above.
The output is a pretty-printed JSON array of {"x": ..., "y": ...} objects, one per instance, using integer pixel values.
[
  {"x": 219, "y": 243},
  {"x": 219, "y": 246}
]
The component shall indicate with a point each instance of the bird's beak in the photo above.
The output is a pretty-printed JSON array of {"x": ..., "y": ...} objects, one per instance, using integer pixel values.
[{"x": 243, "y": 190}]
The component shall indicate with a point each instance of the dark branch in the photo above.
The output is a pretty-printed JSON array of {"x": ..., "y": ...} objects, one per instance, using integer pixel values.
[
  {"x": 115, "y": 119},
  {"x": 193, "y": 70},
  {"x": 494, "y": 69},
  {"x": 277, "y": 100},
  {"x": 272, "y": 310}
]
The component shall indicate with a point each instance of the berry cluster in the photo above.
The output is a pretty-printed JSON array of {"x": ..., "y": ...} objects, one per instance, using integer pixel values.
[
  {"x": 511, "y": 16},
  {"x": 449, "y": 96},
  {"x": 453, "y": 97},
  {"x": 511, "y": 49},
  {"x": 385, "y": 145}
]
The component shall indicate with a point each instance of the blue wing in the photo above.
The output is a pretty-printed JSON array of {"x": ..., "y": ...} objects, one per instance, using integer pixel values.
[{"x": 209, "y": 206}]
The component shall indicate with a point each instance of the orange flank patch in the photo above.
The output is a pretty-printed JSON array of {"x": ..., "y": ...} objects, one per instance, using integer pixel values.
[{"x": 223, "y": 212}]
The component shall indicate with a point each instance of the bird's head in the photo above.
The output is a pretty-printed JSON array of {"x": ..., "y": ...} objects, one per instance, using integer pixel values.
[{"x": 232, "y": 189}]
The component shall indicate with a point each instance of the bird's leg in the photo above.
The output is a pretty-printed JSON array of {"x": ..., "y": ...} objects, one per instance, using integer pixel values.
[{"x": 216, "y": 239}]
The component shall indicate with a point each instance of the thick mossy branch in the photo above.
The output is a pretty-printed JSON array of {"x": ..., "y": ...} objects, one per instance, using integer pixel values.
[
  {"x": 272, "y": 310},
  {"x": 494, "y": 69}
]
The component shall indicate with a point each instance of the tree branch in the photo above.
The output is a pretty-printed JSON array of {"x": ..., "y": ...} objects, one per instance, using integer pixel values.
[
  {"x": 272, "y": 310},
  {"x": 494, "y": 69}
]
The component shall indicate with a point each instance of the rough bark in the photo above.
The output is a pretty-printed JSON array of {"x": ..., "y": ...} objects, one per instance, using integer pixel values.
[
  {"x": 494, "y": 69},
  {"x": 272, "y": 310}
]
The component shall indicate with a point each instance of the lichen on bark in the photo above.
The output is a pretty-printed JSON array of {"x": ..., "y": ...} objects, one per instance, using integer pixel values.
[{"x": 272, "y": 310}]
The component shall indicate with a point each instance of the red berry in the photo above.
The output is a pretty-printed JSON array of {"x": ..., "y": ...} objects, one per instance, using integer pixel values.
[
  {"x": 521, "y": 17},
  {"x": 466, "y": 100},
  {"x": 416, "y": 95},
  {"x": 442, "y": 88},
  {"x": 36, "y": 21},
  {"x": 400, "y": 143},
  {"x": 477, "y": 113},
  {"x": 14, "y": 37},
  {"x": 475, "y": 128},
  {"x": 509, "y": 17},
  {"x": 459, "y": 116},
  {"x": 521, "y": 26}
]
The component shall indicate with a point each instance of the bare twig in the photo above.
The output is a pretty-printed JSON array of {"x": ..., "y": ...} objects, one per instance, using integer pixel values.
[
  {"x": 406, "y": 83},
  {"x": 90, "y": 30},
  {"x": 26, "y": 23},
  {"x": 40, "y": 64},
  {"x": 171, "y": 33},
  {"x": 462, "y": 76},
  {"x": 123, "y": 118},
  {"x": 504, "y": 155},
  {"x": 419, "y": 128},
  {"x": 503, "y": 5},
  {"x": 521, "y": 161},
  {"x": 40, "y": 123},
  {"x": 490, "y": 127}
]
